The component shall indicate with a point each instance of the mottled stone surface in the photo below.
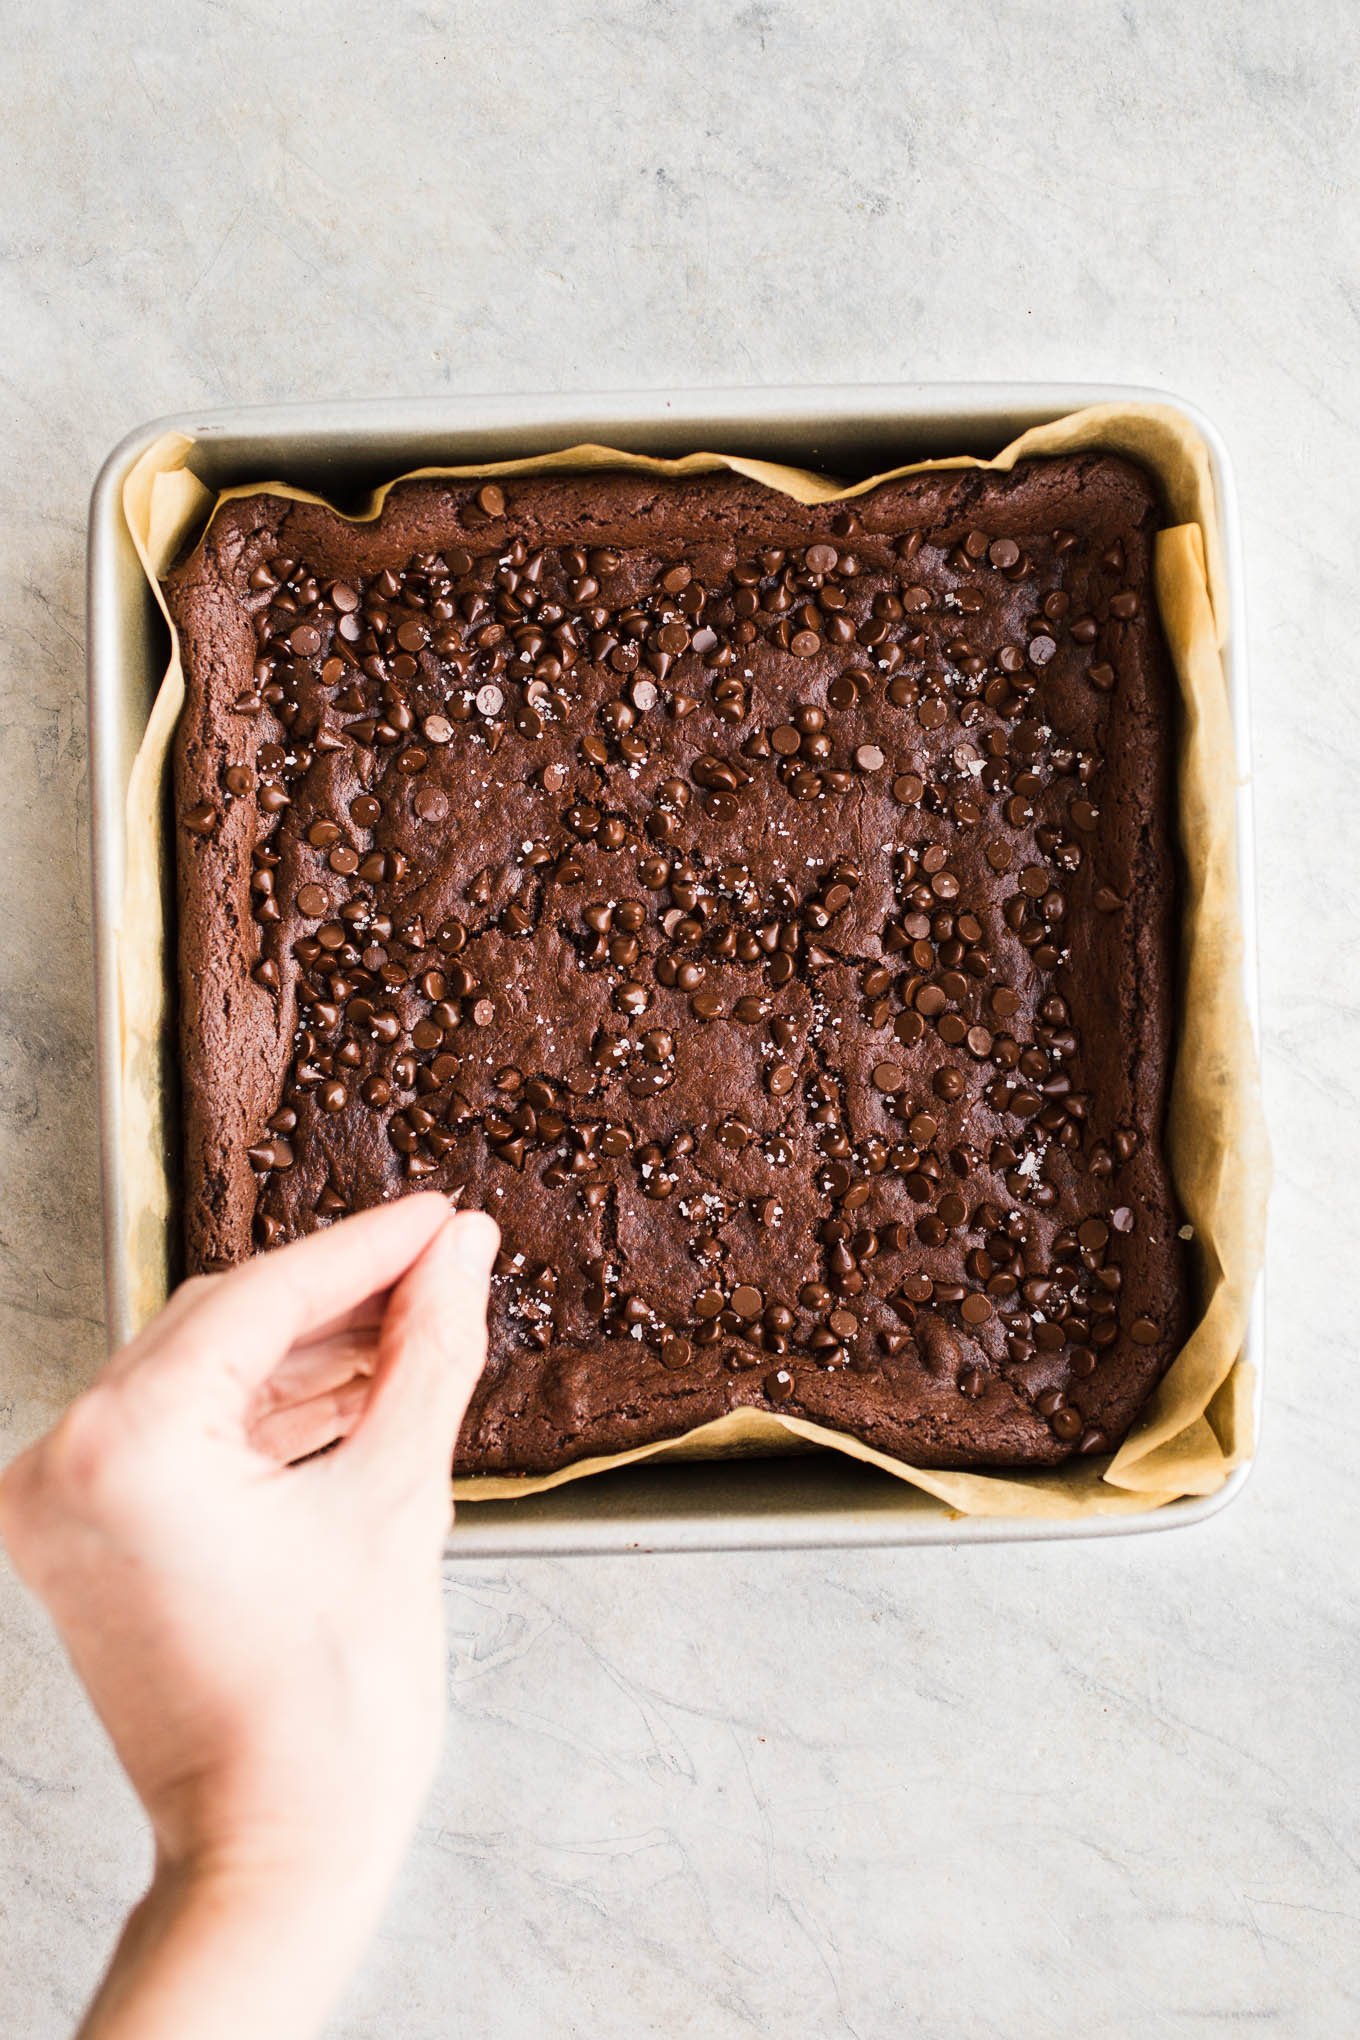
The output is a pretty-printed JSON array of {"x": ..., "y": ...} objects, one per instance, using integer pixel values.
[{"x": 1015, "y": 1792}]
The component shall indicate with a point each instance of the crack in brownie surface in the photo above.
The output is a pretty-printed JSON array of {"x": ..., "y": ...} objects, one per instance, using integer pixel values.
[{"x": 766, "y": 912}]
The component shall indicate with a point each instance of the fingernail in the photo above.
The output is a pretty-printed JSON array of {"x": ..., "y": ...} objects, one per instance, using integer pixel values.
[{"x": 476, "y": 1236}]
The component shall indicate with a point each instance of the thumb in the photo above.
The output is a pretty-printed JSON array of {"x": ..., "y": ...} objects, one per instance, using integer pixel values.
[{"x": 431, "y": 1350}]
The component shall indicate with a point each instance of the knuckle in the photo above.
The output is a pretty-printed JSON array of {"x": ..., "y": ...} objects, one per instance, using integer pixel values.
[
  {"x": 17, "y": 1484},
  {"x": 80, "y": 1458},
  {"x": 57, "y": 1478}
]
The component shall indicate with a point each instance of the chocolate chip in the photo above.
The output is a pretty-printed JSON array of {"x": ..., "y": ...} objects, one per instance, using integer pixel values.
[
  {"x": 271, "y": 1154},
  {"x": 312, "y": 901},
  {"x": 491, "y": 500},
  {"x": 1144, "y": 1332},
  {"x": 868, "y": 758},
  {"x": 430, "y": 803},
  {"x": 200, "y": 819}
]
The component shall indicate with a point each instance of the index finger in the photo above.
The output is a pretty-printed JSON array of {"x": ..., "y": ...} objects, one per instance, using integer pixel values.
[{"x": 233, "y": 1334}]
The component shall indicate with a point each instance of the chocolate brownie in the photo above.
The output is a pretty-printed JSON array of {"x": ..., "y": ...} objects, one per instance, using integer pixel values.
[{"x": 767, "y": 912}]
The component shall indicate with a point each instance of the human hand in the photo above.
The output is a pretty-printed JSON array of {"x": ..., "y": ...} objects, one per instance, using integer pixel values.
[{"x": 263, "y": 1640}]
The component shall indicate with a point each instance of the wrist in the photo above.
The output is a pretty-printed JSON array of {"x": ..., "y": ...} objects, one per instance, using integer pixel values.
[
  {"x": 227, "y": 1941},
  {"x": 305, "y": 1892}
]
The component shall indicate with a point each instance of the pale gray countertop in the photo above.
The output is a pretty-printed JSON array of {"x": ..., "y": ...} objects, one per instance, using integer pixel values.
[{"x": 1051, "y": 1791}]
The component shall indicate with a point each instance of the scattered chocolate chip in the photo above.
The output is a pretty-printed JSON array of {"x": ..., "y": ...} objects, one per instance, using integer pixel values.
[{"x": 200, "y": 819}]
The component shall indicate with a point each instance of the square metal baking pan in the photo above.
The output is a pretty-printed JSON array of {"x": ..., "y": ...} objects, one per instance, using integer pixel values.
[{"x": 342, "y": 450}]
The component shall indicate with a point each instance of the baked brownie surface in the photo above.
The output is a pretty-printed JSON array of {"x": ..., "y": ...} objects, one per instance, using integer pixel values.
[{"x": 766, "y": 912}]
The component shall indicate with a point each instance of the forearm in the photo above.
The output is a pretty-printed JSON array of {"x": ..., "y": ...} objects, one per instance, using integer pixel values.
[{"x": 218, "y": 1954}]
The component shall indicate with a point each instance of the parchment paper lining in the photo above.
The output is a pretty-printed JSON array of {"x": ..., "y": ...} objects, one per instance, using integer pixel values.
[{"x": 1198, "y": 1424}]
